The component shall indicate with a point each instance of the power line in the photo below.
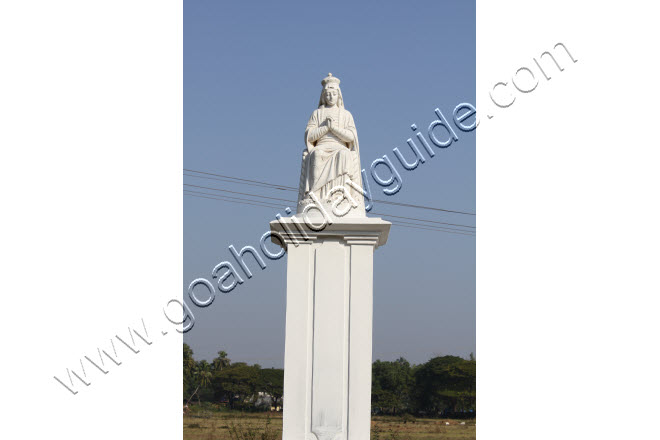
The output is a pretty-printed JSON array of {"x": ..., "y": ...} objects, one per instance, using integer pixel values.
[
  {"x": 224, "y": 197},
  {"x": 239, "y": 178},
  {"x": 423, "y": 207},
  {"x": 220, "y": 179},
  {"x": 429, "y": 229},
  {"x": 269, "y": 205},
  {"x": 422, "y": 220},
  {"x": 236, "y": 192},
  {"x": 231, "y": 201},
  {"x": 399, "y": 222},
  {"x": 289, "y": 188},
  {"x": 292, "y": 202}
]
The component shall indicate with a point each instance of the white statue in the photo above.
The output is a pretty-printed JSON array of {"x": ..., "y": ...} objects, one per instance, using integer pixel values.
[{"x": 331, "y": 160}]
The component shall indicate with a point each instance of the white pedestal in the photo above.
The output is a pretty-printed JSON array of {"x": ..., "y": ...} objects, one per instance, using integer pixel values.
[{"x": 329, "y": 308}]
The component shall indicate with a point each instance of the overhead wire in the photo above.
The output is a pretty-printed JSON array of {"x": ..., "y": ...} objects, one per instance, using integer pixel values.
[
  {"x": 239, "y": 178},
  {"x": 237, "y": 192},
  {"x": 239, "y": 200},
  {"x": 289, "y": 188},
  {"x": 421, "y": 220},
  {"x": 293, "y": 202},
  {"x": 231, "y": 201}
]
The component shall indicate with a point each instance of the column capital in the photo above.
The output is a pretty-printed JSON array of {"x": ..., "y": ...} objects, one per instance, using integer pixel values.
[
  {"x": 367, "y": 240},
  {"x": 353, "y": 231}
]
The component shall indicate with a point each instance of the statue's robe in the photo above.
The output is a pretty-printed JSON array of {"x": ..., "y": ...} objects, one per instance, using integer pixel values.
[{"x": 327, "y": 165}]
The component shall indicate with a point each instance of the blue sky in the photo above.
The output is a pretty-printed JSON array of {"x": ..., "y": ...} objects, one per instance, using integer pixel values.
[{"x": 252, "y": 75}]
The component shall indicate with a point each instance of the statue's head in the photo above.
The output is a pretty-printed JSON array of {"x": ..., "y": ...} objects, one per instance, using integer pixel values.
[{"x": 331, "y": 94}]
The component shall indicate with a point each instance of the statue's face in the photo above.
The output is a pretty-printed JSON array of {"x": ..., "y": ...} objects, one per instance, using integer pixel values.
[{"x": 331, "y": 96}]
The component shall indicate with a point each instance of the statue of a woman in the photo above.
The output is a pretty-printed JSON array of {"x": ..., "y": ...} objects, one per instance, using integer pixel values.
[{"x": 332, "y": 157}]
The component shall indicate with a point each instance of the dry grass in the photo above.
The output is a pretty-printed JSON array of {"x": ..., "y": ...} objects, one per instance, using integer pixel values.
[{"x": 214, "y": 425}]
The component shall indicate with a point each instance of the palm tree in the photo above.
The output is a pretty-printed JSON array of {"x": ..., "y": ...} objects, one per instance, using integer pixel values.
[
  {"x": 203, "y": 375},
  {"x": 222, "y": 361},
  {"x": 202, "y": 367},
  {"x": 188, "y": 360},
  {"x": 205, "y": 378},
  {"x": 188, "y": 370}
]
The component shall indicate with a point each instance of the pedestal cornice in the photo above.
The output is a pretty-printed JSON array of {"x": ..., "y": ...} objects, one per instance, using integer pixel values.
[{"x": 358, "y": 231}]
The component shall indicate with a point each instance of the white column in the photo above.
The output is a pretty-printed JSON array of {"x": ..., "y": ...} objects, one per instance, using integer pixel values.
[
  {"x": 361, "y": 323},
  {"x": 327, "y": 361},
  {"x": 297, "y": 363}
]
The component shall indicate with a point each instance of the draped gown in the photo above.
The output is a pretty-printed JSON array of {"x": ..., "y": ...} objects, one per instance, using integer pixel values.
[{"x": 330, "y": 160}]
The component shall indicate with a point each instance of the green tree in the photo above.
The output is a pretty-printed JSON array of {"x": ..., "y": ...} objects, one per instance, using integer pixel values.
[
  {"x": 221, "y": 362},
  {"x": 238, "y": 383},
  {"x": 205, "y": 378},
  {"x": 188, "y": 371},
  {"x": 272, "y": 382},
  {"x": 445, "y": 384},
  {"x": 391, "y": 386}
]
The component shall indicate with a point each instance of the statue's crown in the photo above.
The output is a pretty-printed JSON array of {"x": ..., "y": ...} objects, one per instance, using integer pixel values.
[{"x": 330, "y": 80}]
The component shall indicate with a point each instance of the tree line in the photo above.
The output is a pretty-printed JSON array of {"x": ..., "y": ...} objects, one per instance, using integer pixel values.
[{"x": 443, "y": 386}]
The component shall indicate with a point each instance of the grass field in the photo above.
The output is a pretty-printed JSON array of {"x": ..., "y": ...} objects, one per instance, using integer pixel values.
[{"x": 213, "y": 425}]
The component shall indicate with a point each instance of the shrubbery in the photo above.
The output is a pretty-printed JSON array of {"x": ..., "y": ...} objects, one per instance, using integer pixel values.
[{"x": 443, "y": 386}]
